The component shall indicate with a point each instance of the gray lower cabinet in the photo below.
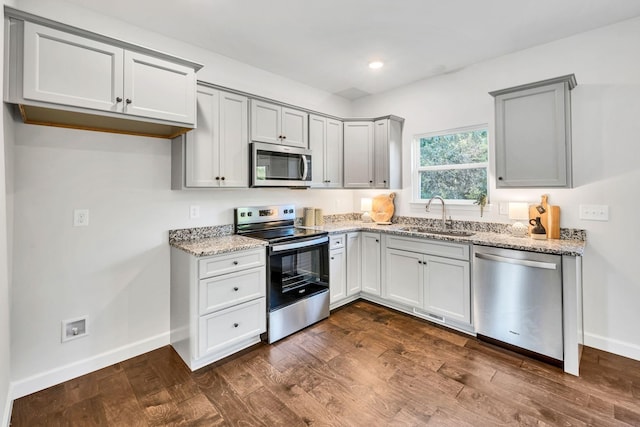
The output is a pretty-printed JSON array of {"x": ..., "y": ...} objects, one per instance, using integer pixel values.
[
  {"x": 344, "y": 268},
  {"x": 533, "y": 134},
  {"x": 337, "y": 269},
  {"x": 431, "y": 277},
  {"x": 371, "y": 256},
  {"x": 218, "y": 304}
]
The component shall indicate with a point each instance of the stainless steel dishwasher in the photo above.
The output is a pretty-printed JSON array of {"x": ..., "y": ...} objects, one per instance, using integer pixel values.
[{"x": 518, "y": 300}]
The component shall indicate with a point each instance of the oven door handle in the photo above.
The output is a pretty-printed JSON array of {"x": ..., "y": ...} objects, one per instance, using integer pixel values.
[
  {"x": 305, "y": 168},
  {"x": 299, "y": 244}
]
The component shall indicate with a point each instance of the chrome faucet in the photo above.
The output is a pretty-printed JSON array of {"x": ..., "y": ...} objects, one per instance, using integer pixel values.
[{"x": 444, "y": 210}]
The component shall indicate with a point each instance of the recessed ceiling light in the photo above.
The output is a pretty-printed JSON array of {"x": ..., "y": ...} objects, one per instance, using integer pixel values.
[{"x": 374, "y": 65}]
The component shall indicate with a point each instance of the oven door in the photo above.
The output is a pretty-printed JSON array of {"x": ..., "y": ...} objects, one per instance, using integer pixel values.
[
  {"x": 297, "y": 270},
  {"x": 279, "y": 166}
]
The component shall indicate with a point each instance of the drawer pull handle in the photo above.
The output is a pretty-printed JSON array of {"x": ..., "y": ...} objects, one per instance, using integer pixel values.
[
  {"x": 235, "y": 262},
  {"x": 235, "y": 325},
  {"x": 235, "y": 288}
]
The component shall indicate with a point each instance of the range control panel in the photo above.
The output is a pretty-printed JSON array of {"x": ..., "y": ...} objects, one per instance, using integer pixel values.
[{"x": 256, "y": 214}]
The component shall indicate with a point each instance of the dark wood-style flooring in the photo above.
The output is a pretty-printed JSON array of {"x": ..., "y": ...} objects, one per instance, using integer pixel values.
[{"x": 364, "y": 366}]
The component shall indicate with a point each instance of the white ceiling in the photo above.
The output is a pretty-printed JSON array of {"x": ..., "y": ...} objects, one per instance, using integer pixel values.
[{"x": 328, "y": 43}]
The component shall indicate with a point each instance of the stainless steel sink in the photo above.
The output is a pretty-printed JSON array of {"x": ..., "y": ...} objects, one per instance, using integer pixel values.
[{"x": 454, "y": 233}]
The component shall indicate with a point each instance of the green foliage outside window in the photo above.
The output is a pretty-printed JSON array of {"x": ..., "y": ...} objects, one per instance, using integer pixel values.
[{"x": 453, "y": 165}]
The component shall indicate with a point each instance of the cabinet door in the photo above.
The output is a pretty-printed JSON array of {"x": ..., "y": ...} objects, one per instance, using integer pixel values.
[
  {"x": 71, "y": 70},
  {"x": 448, "y": 288},
  {"x": 354, "y": 263},
  {"x": 333, "y": 154},
  {"x": 295, "y": 131},
  {"x": 358, "y": 154},
  {"x": 337, "y": 275},
  {"x": 234, "y": 140},
  {"x": 317, "y": 144},
  {"x": 403, "y": 279},
  {"x": 532, "y": 141},
  {"x": 201, "y": 150},
  {"x": 265, "y": 122},
  {"x": 159, "y": 89},
  {"x": 381, "y": 153},
  {"x": 371, "y": 263}
]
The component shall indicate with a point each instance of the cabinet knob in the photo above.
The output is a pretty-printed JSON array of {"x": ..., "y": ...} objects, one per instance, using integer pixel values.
[
  {"x": 332, "y": 258},
  {"x": 235, "y": 262},
  {"x": 222, "y": 178},
  {"x": 284, "y": 137},
  {"x": 118, "y": 99},
  {"x": 377, "y": 240},
  {"x": 235, "y": 325},
  {"x": 370, "y": 182},
  {"x": 128, "y": 101},
  {"x": 235, "y": 288},
  {"x": 499, "y": 178},
  {"x": 217, "y": 178},
  {"x": 385, "y": 181},
  {"x": 419, "y": 262}
]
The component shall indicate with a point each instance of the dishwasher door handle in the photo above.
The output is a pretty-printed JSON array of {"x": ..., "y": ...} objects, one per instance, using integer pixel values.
[{"x": 523, "y": 262}]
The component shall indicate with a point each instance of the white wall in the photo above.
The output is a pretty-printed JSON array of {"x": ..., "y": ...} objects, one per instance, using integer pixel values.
[
  {"x": 116, "y": 270},
  {"x": 605, "y": 151}
]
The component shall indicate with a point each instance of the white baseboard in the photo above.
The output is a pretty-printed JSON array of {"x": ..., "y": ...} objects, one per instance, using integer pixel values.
[
  {"x": 8, "y": 407},
  {"x": 81, "y": 367},
  {"x": 611, "y": 345}
]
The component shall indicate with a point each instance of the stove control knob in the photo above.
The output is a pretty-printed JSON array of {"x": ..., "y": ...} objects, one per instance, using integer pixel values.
[
  {"x": 243, "y": 214},
  {"x": 249, "y": 213}
]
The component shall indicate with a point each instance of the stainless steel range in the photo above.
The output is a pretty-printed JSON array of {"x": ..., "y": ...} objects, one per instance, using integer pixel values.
[{"x": 297, "y": 268}]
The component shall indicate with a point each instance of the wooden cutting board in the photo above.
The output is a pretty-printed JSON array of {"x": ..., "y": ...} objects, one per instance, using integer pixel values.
[
  {"x": 553, "y": 221},
  {"x": 550, "y": 219},
  {"x": 383, "y": 207}
]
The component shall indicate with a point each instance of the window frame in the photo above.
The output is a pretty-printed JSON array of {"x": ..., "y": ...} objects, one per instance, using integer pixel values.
[{"x": 416, "y": 169}]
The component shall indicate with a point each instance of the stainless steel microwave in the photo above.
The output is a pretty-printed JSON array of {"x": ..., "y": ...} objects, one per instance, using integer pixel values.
[{"x": 275, "y": 165}]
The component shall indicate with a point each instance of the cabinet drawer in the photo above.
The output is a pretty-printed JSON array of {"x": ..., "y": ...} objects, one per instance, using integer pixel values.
[
  {"x": 228, "y": 263},
  {"x": 231, "y": 325},
  {"x": 336, "y": 242},
  {"x": 430, "y": 247},
  {"x": 231, "y": 289}
]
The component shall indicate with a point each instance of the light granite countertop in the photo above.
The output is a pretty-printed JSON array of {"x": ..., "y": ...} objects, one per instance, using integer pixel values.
[
  {"x": 218, "y": 245},
  {"x": 218, "y": 240},
  {"x": 572, "y": 247}
]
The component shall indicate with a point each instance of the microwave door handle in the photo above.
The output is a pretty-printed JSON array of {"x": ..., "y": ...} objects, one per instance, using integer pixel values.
[{"x": 305, "y": 168}]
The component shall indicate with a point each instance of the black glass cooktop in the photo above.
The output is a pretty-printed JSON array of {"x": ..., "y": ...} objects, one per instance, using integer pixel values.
[{"x": 278, "y": 235}]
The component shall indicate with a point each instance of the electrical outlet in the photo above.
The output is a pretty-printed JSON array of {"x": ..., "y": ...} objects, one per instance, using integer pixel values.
[
  {"x": 594, "y": 212},
  {"x": 74, "y": 328},
  {"x": 194, "y": 211},
  {"x": 504, "y": 208},
  {"x": 81, "y": 217}
]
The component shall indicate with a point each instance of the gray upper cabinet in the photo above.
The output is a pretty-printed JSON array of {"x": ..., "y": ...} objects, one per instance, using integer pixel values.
[
  {"x": 358, "y": 154},
  {"x": 533, "y": 134},
  {"x": 373, "y": 153},
  {"x": 65, "y": 76},
  {"x": 277, "y": 124},
  {"x": 325, "y": 141},
  {"x": 216, "y": 154}
]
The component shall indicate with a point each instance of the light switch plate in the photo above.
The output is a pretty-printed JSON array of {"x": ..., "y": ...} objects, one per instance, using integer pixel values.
[{"x": 594, "y": 212}]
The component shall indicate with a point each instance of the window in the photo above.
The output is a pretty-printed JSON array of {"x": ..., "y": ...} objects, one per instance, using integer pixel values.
[{"x": 452, "y": 164}]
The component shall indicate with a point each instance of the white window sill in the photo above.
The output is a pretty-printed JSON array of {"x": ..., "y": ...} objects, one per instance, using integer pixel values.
[{"x": 436, "y": 206}]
